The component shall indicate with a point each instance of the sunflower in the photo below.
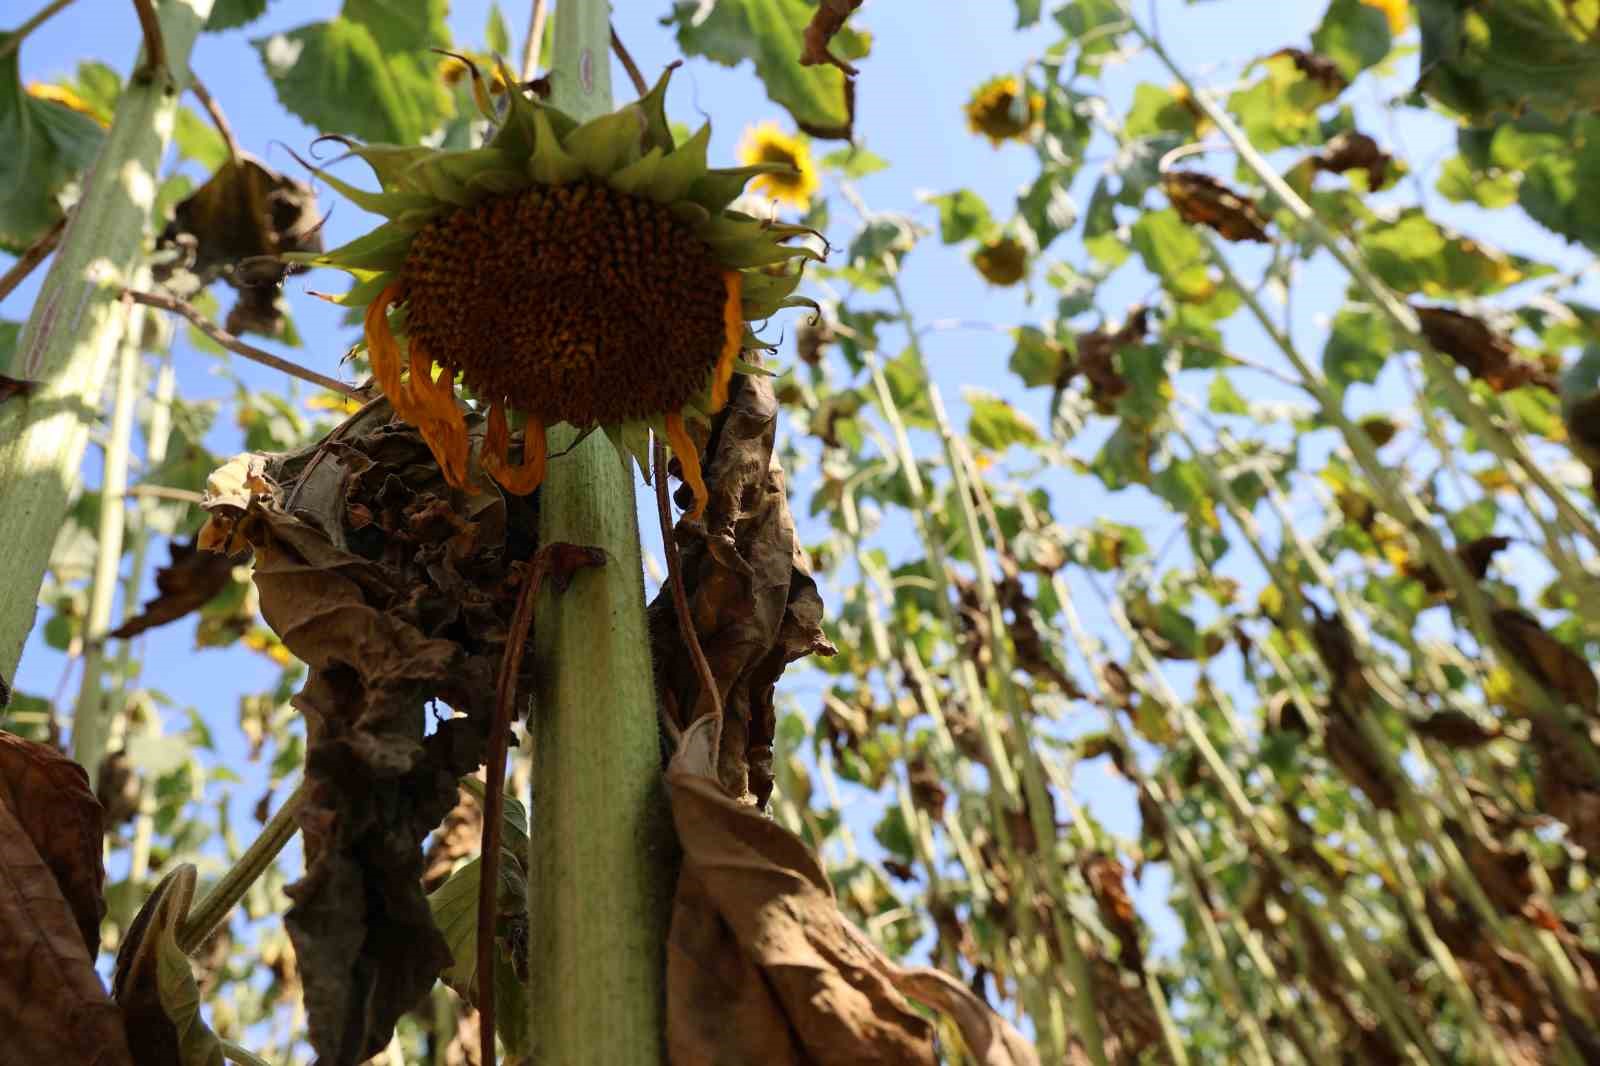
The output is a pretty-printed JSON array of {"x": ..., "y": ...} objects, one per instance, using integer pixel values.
[
  {"x": 1002, "y": 260},
  {"x": 588, "y": 274},
  {"x": 999, "y": 111},
  {"x": 797, "y": 182}
]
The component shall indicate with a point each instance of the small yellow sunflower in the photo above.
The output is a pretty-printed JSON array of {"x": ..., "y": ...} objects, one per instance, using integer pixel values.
[
  {"x": 588, "y": 274},
  {"x": 1000, "y": 111},
  {"x": 1002, "y": 260},
  {"x": 60, "y": 94},
  {"x": 767, "y": 144}
]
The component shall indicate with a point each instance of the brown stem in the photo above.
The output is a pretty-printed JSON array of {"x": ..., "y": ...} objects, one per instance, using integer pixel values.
[
  {"x": 218, "y": 119},
  {"x": 239, "y": 347},
  {"x": 634, "y": 75},
  {"x": 680, "y": 598},
  {"x": 32, "y": 257},
  {"x": 155, "y": 49},
  {"x": 15, "y": 38}
]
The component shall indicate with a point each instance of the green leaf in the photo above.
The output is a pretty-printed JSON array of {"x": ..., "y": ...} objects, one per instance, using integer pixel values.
[
  {"x": 1558, "y": 191},
  {"x": 908, "y": 387},
  {"x": 1174, "y": 253},
  {"x": 369, "y": 79},
  {"x": 229, "y": 14},
  {"x": 1094, "y": 26},
  {"x": 770, "y": 33},
  {"x": 1100, "y": 231},
  {"x": 1224, "y": 399},
  {"x": 962, "y": 214},
  {"x": 1354, "y": 35},
  {"x": 854, "y": 162},
  {"x": 1415, "y": 255},
  {"x": 1124, "y": 459},
  {"x": 497, "y": 35},
  {"x": 1047, "y": 207},
  {"x": 1028, "y": 12},
  {"x": 9, "y": 332},
  {"x": 1459, "y": 183},
  {"x": 1488, "y": 61},
  {"x": 996, "y": 424},
  {"x": 1358, "y": 344},
  {"x": 455, "y": 912},
  {"x": 1036, "y": 358},
  {"x": 1155, "y": 110},
  {"x": 199, "y": 140},
  {"x": 180, "y": 999},
  {"x": 1280, "y": 108},
  {"x": 46, "y": 146}
]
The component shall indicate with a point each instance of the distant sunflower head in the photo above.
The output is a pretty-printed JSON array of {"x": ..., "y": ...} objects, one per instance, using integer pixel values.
[
  {"x": 1002, "y": 260},
  {"x": 796, "y": 182},
  {"x": 1002, "y": 110},
  {"x": 589, "y": 274}
]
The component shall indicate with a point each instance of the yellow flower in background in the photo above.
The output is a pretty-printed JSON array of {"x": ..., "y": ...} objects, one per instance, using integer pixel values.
[
  {"x": 582, "y": 273},
  {"x": 999, "y": 111},
  {"x": 1398, "y": 12},
  {"x": 1002, "y": 261},
  {"x": 768, "y": 144},
  {"x": 60, "y": 94}
]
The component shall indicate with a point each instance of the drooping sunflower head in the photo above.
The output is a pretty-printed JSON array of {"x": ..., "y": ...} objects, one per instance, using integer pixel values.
[
  {"x": 1001, "y": 109},
  {"x": 795, "y": 181},
  {"x": 1001, "y": 260},
  {"x": 589, "y": 274}
]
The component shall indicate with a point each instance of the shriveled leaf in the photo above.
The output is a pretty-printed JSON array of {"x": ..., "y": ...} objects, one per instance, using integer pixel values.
[
  {"x": 762, "y": 967},
  {"x": 1353, "y": 150},
  {"x": 771, "y": 33},
  {"x": 1551, "y": 662},
  {"x": 1202, "y": 200},
  {"x": 1486, "y": 354},
  {"x": 47, "y": 973},
  {"x": 50, "y": 799},
  {"x": 244, "y": 211},
  {"x": 190, "y": 581},
  {"x": 1454, "y": 729},
  {"x": 756, "y": 609}
]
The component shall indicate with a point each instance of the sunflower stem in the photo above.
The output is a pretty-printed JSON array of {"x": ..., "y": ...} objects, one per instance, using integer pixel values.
[
  {"x": 72, "y": 334},
  {"x": 599, "y": 881}
]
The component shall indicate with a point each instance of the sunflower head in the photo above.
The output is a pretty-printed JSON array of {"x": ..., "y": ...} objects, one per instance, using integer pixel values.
[
  {"x": 1002, "y": 110},
  {"x": 590, "y": 274},
  {"x": 796, "y": 182},
  {"x": 1001, "y": 260}
]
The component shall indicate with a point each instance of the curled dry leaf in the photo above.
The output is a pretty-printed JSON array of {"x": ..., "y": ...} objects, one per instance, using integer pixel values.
[
  {"x": 396, "y": 591},
  {"x": 755, "y": 607},
  {"x": 761, "y": 965},
  {"x": 1319, "y": 68},
  {"x": 53, "y": 1007},
  {"x": 1561, "y": 669},
  {"x": 155, "y": 986},
  {"x": 1202, "y": 200},
  {"x": 1454, "y": 729},
  {"x": 244, "y": 212},
  {"x": 1353, "y": 150},
  {"x": 50, "y": 799},
  {"x": 1097, "y": 351},
  {"x": 828, "y": 20},
  {"x": 1486, "y": 354},
  {"x": 1106, "y": 877},
  {"x": 187, "y": 583}
]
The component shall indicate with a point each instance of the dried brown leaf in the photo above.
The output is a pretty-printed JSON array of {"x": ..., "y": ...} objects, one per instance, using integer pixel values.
[
  {"x": 1353, "y": 150},
  {"x": 1097, "y": 351},
  {"x": 1486, "y": 354},
  {"x": 53, "y": 1008},
  {"x": 190, "y": 581},
  {"x": 1454, "y": 729},
  {"x": 49, "y": 797},
  {"x": 755, "y": 607},
  {"x": 1106, "y": 877},
  {"x": 761, "y": 965},
  {"x": 1318, "y": 68},
  {"x": 1561, "y": 669},
  {"x": 396, "y": 591},
  {"x": 245, "y": 213},
  {"x": 154, "y": 984},
  {"x": 1202, "y": 200}
]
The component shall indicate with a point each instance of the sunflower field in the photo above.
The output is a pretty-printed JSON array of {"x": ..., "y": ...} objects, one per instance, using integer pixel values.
[{"x": 984, "y": 532}]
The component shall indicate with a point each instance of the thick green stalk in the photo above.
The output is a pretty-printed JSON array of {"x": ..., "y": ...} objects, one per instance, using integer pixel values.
[
  {"x": 599, "y": 879},
  {"x": 91, "y": 719},
  {"x": 71, "y": 335}
]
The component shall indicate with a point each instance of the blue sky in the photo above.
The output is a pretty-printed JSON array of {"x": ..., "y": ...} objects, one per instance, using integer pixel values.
[{"x": 926, "y": 60}]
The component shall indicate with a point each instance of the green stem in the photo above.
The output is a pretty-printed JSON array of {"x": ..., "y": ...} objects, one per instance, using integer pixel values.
[
  {"x": 212, "y": 911},
  {"x": 91, "y": 719},
  {"x": 71, "y": 335},
  {"x": 599, "y": 879}
]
